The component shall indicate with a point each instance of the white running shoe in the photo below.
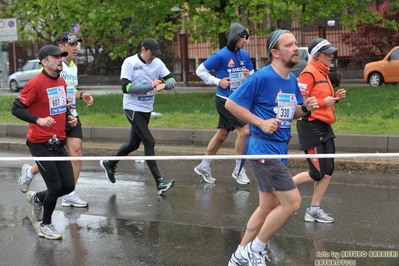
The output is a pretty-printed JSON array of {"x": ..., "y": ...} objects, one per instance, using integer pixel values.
[
  {"x": 73, "y": 201},
  {"x": 49, "y": 232},
  {"x": 205, "y": 173},
  {"x": 37, "y": 207},
  {"x": 234, "y": 261},
  {"x": 24, "y": 180},
  {"x": 318, "y": 216},
  {"x": 254, "y": 258},
  {"x": 242, "y": 178}
]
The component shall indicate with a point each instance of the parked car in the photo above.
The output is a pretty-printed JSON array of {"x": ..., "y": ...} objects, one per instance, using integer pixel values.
[
  {"x": 305, "y": 58},
  {"x": 334, "y": 74},
  {"x": 383, "y": 71},
  {"x": 17, "y": 80}
]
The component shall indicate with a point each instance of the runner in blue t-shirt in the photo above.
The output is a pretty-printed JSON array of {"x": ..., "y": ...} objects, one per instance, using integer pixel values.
[
  {"x": 268, "y": 101},
  {"x": 232, "y": 64}
]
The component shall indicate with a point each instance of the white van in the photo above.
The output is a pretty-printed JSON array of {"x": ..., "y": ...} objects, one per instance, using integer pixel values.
[{"x": 304, "y": 59}]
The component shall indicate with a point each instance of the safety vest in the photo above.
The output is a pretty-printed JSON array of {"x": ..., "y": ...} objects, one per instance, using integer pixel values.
[{"x": 322, "y": 88}]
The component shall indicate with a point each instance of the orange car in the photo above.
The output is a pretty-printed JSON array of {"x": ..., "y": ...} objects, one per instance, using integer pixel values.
[{"x": 383, "y": 71}]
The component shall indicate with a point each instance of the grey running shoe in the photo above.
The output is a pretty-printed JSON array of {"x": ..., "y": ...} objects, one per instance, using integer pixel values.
[
  {"x": 109, "y": 171},
  {"x": 318, "y": 216},
  {"x": 164, "y": 185},
  {"x": 24, "y": 180},
  {"x": 49, "y": 232},
  {"x": 242, "y": 178},
  {"x": 73, "y": 201},
  {"x": 254, "y": 258},
  {"x": 37, "y": 207},
  {"x": 234, "y": 261},
  {"x": 205, "y": 173}
]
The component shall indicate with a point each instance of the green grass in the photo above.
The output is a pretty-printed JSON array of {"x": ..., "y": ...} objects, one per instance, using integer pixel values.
[{"x": 365, "y": 110}]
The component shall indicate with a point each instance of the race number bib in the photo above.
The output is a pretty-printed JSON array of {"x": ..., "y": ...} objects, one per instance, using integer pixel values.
[
  {"x": 286, "y": 106},
  {"x": 71, "y": 97},
  {"x": 57, "y": 99},
  {"x": 236, "y": 79}
]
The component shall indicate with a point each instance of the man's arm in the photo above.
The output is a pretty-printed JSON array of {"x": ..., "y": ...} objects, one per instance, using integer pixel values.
[
  {"x": 19, "y": 110},
  {"x": 206, "y": 76},
  {"x": 137, "y": 88},
  {"x": 169, "y": 81},
  {"x": 268, "y": 126}
]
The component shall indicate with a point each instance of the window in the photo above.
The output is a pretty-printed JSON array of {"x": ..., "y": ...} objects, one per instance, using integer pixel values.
[{"x": 394, "y": 55}]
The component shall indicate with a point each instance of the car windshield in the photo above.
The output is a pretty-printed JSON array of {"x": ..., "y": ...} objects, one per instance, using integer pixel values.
[
  {"x": 303, "y": 55},
  {"x": 394, "y": 55},
  {"x": 31, "y": 65}
]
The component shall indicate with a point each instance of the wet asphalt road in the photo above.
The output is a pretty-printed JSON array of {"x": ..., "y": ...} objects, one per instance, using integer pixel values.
[{"x": 194, "y": 223}]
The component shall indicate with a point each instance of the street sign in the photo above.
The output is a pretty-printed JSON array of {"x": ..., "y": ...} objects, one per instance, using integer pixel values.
[{"x": 8, "y": 30}]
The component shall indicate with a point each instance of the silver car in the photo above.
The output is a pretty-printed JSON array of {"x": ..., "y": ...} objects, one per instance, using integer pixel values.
[{"x": 17, "y": 80}]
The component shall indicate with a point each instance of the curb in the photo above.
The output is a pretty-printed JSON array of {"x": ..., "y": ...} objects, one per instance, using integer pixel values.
[
  {"x": 375, "y": 171},
  {"x": 354, "y": 143}
]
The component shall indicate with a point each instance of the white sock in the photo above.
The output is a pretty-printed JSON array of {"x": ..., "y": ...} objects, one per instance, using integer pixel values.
[
  {"x": 206, "y": 163},
  {"x": 258, "y": 246},
  {"x": 29, "y": 173},
  {"x": 238, "y": 163},
  {"x": 313, "y": 208}
]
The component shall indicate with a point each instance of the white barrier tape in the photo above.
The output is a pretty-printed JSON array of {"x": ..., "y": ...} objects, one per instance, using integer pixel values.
[{"x": 200, "y": 157}]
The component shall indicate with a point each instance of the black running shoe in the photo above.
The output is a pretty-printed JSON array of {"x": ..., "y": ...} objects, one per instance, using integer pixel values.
[
  {"x": 164, "y": 185},
  {"x": 109, "y": 171}
]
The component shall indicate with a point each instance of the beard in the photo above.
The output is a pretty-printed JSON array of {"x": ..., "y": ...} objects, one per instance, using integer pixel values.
[{"x": 290, "y": 63}]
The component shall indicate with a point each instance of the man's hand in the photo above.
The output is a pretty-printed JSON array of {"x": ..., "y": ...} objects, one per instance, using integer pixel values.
[
  {"x": 45, "y": 122},
  {"x": 156, "y": 82},
  {"x": 245, "y": 71},
  {"x": 270, "y": 126},
  {"x": 224, "y": 83},
  {"x": 87, "y": 98},
  {"x": 310, "y": 102},
  {"x": 72, "y": 121},
  {"x": 160, "y": 87}
]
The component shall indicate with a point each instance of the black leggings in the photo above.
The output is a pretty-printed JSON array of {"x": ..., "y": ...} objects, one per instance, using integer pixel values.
[
  {"x": 58, "y": 176},
  {"x": 321, "y": 166},
  {"x": 139, "y": 132}
]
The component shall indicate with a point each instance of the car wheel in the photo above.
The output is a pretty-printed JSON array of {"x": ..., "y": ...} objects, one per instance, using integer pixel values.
[
  {"x": 375, "y": 80},
  {"x": 14, "y": 86}
]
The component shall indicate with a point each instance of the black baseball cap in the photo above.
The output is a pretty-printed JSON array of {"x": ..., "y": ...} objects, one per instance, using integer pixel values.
[
  {"x": 50, "y": 50},
  {"x": 321, "y": 45},
  {"x": 153, "y": 45},
  {"x": 68, "y": 37}
]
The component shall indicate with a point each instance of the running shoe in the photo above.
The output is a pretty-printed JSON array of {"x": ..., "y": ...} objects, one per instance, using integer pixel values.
[
  {"x": 48, "y": 232},
  {"x": 109, "y": 171},
  {"x": 242, "y": 178},
  {"x": 205, "y": 173},
  {"x": 37, "y": 207},
  {"x": 254, "y": 258},
  {"x": 73, "y": 201},
  {"x": 234, "y": 261},
  {"x": 24, "y": 180},
  {"x": 318, "y": 216},
  {"x": 164, "y": 185}
]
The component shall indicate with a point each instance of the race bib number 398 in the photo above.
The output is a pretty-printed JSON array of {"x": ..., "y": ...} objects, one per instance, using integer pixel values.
[{"x": 286, "y": 106}]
